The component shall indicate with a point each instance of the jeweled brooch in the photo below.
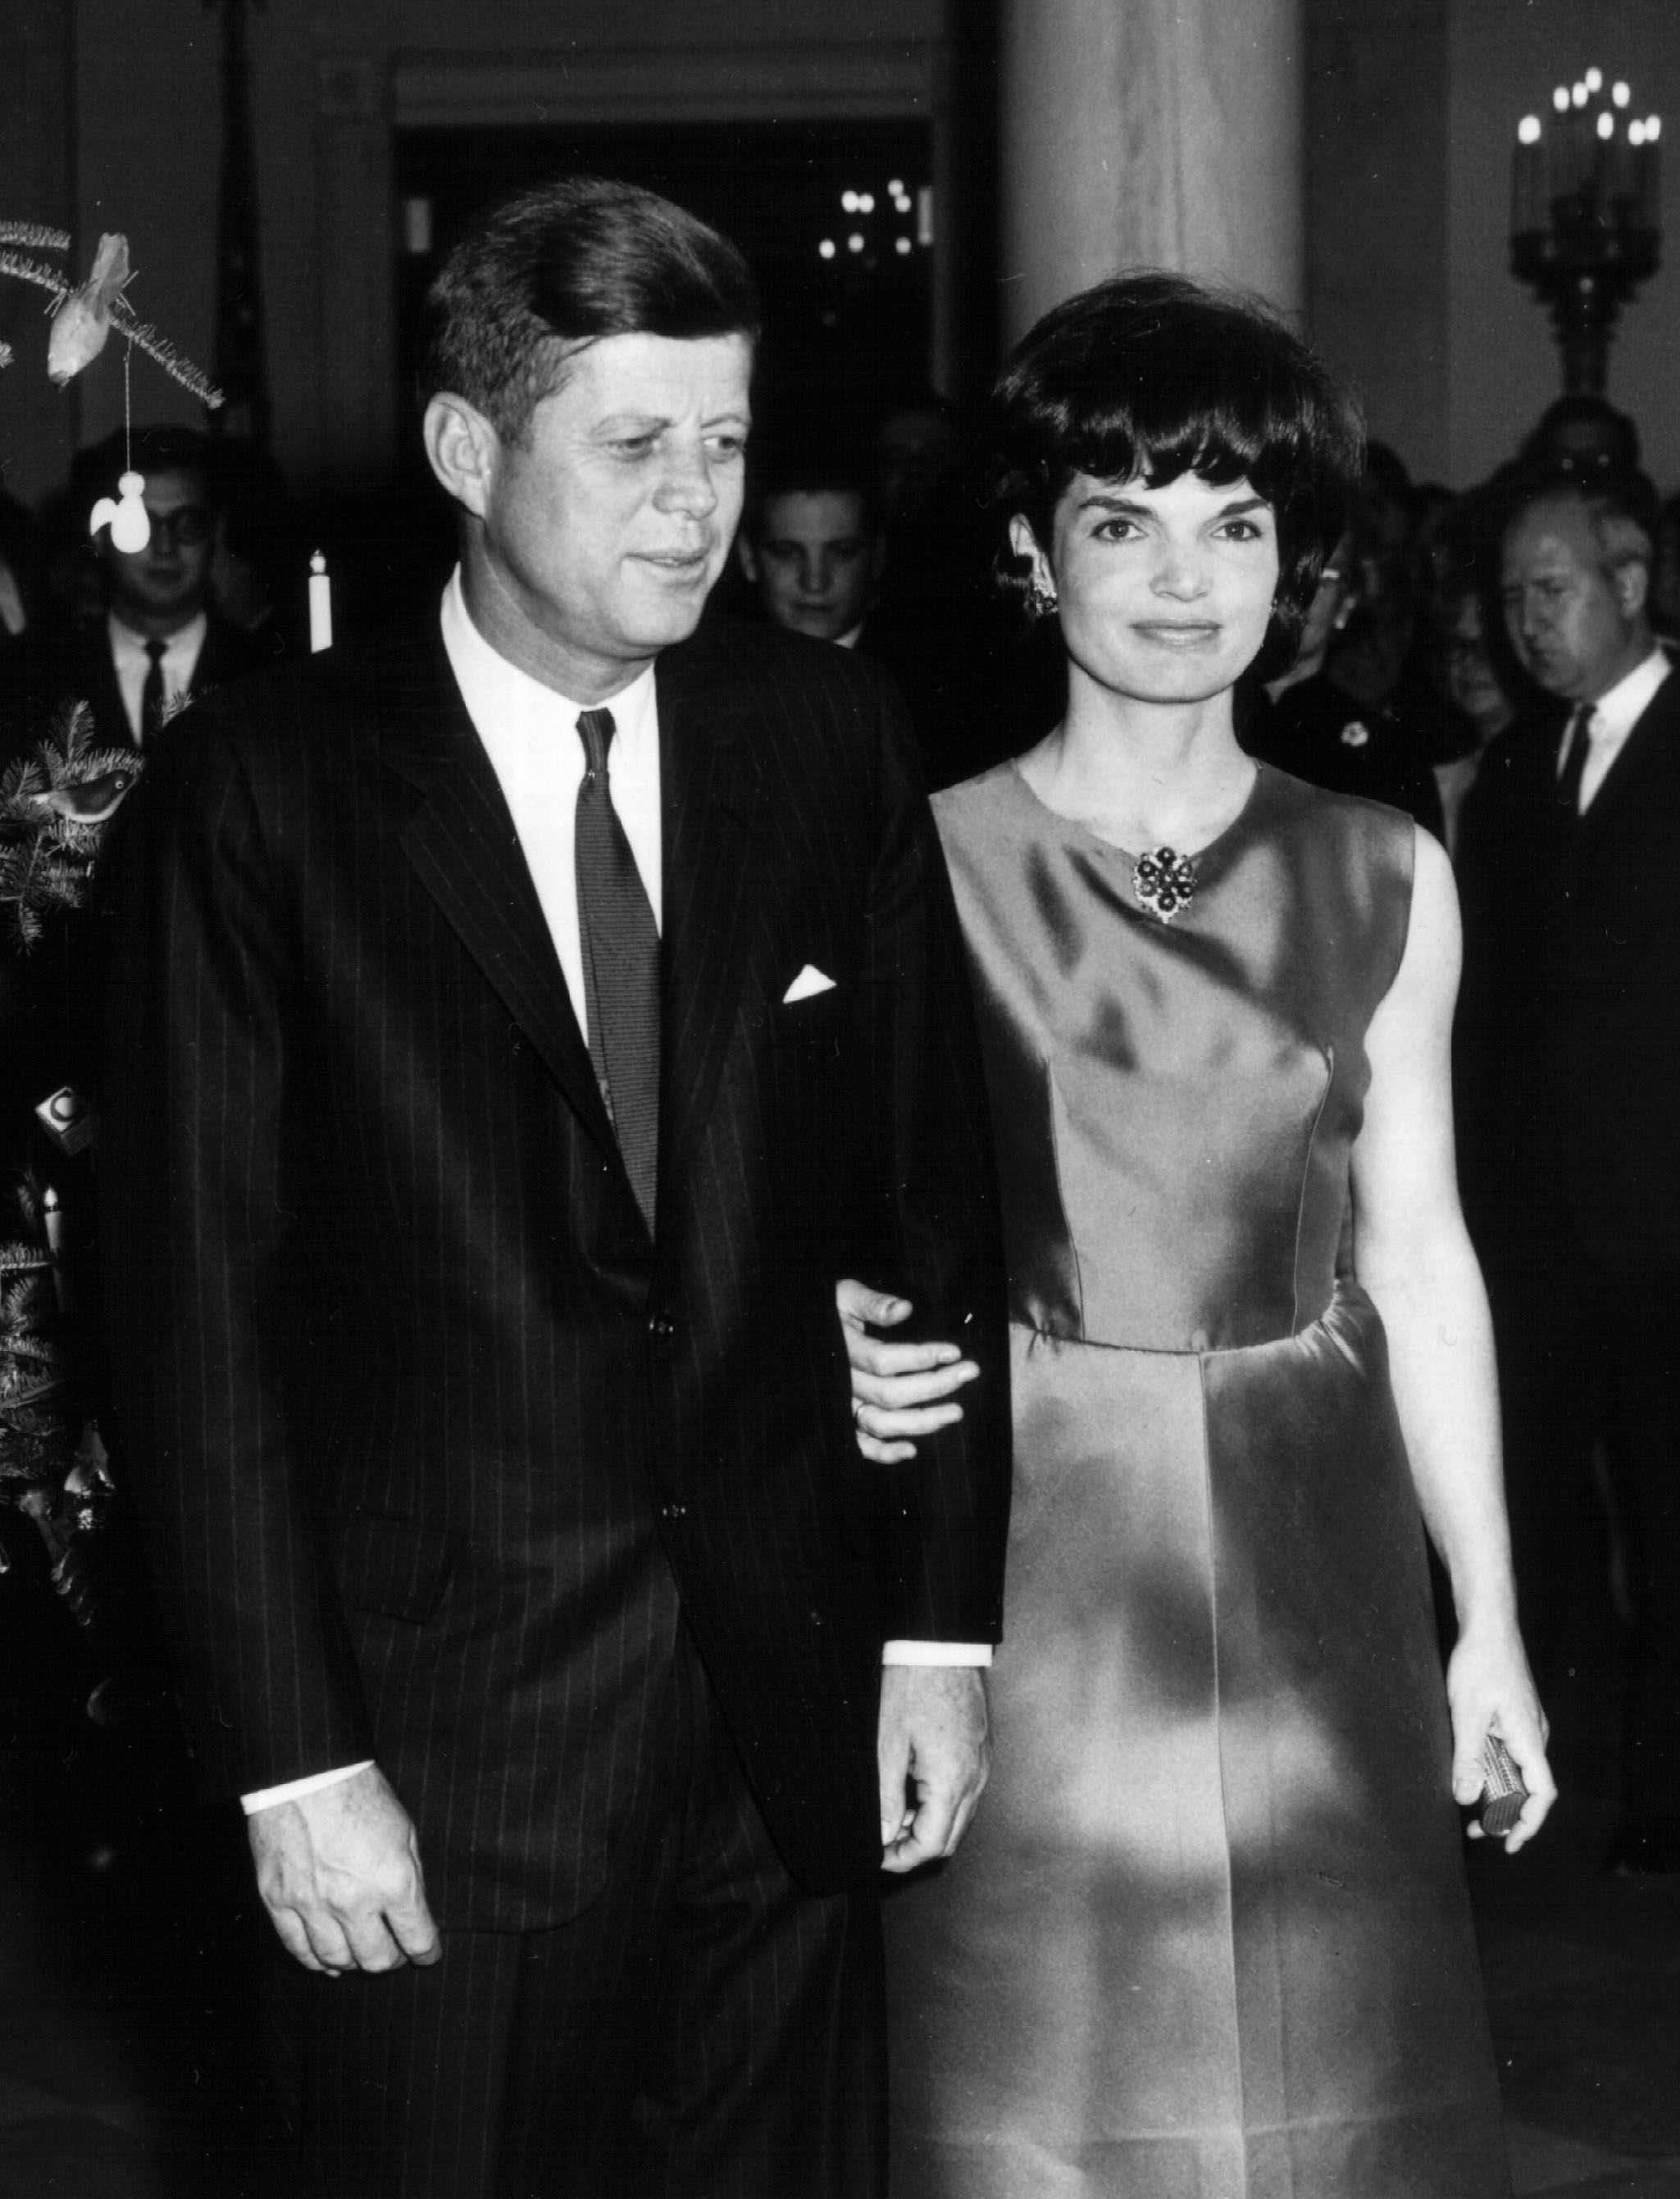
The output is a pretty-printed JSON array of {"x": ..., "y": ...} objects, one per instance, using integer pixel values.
[{"x": 1164, "y": 882}]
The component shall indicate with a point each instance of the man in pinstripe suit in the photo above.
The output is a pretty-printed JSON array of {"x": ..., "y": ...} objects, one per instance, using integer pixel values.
[{"x": 495, "y": 1462}]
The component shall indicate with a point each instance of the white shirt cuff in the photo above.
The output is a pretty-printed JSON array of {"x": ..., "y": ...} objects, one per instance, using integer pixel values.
[
  {"x": 293, "y": 1790},
  {"x": 936, "y": 1653}
]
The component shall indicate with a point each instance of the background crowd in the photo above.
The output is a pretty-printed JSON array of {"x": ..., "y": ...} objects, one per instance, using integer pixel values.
[
  {"x": 866, "y": 531},
  {"x": 1426, "y": 679}
]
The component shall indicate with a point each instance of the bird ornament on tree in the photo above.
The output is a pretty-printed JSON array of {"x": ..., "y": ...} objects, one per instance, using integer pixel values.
[
  {"x": 82, "y": 317},
  {"x": 81, "y": 320}
]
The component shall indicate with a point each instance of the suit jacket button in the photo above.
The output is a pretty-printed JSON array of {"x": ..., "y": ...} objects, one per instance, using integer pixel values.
[
  {"x": 662, "y": 1326},
  {"x": 674, "y": 1511}
]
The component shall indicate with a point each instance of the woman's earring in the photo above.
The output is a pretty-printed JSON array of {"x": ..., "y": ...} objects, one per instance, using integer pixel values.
[{"x": 1041, "y": 600}]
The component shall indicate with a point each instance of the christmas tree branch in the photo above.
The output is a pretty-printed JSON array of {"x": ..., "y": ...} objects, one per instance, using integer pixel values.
[{"x": 35, "y": 235}]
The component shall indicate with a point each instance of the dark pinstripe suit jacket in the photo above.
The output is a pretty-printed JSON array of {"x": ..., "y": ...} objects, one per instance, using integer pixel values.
[{"x": 429, "y": 1437}]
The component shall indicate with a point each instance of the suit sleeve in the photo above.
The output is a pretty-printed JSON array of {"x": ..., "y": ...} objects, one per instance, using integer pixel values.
[
  {"x": 204, "y": 1270},
  {"x": 948, "y": 1507}
]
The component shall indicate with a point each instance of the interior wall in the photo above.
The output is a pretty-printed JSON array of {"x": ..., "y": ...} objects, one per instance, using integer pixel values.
[
  {"x": 1377, "y": 214},
  {"x": 1411, "y": 108},
  {"x": 329, "y": 84},
  {"x": 1502, "y": 360},
  {"x": 40, "y": 426}
]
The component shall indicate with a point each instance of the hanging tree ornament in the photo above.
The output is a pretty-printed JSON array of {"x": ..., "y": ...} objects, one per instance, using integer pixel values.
[
  {"x": 102, "y": 292},
  {"x": 82, "y": 319},
  {"x": 128, "y": 519},
  {"x": 126, "y": 516}
]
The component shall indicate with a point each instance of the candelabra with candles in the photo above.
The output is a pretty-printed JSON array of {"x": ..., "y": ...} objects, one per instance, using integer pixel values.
[{"x": 1586, "y": 224}]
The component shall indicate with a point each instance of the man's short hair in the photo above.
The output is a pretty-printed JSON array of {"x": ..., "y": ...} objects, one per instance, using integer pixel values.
[
  {"x": 564, "y": 265},
  {"x": 794, "y": 468},
  {"x": 165, "y": 449},
  {"x": 1622, "y": 512}
]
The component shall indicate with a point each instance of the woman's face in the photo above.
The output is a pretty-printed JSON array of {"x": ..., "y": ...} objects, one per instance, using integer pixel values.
[
  {"x": 1472, "y": 682},
  {"x": 1164, "y": 593}
]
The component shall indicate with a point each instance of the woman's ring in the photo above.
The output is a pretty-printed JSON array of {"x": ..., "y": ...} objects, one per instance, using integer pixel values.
[{"x": 857, "y": 1409}]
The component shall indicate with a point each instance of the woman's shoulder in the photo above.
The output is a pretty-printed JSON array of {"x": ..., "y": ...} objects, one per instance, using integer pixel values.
[
  {"x": 1356, "y": 825},
  {"x": 982, "y": 809},
  {"x": 1357, "y": 859}
]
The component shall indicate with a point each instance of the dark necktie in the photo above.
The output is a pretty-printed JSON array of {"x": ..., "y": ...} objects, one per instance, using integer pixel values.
[
  {"x": 621, "y": 968},
  {"x": 1579, "y": 743},
  {"x": 151, "y": 695}
]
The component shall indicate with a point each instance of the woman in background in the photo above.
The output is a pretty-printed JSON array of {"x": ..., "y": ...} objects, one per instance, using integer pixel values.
[{"x": 1208, "y": 1937}]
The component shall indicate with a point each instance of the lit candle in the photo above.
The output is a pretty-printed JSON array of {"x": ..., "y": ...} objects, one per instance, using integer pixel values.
[
  {"x": 52, "y": 1223},
  {"x": 320, "y": 604},
  {"x": 1557, "y": 145},
  {"x": 1527, "y": 178}
]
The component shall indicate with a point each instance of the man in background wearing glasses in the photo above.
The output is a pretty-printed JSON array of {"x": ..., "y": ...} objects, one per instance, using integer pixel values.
[{"x": 159, "y": 639}]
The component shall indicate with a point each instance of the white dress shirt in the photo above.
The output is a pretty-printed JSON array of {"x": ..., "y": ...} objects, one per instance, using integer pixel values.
[
  {"x": 530, "y": 735},
  {"x": 130, "y": 661},
  {"x": 1611, "y": 720}
]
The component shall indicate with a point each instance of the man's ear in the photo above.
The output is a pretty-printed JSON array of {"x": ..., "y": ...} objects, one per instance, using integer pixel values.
[
  {"x": 464, "y": 449},
  {"x": 748, "y": 555},
  {"x": 1633, "y": 587}
]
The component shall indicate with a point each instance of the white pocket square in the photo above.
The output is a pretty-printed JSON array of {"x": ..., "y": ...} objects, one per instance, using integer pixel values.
[{"x": 809, "y": 981}]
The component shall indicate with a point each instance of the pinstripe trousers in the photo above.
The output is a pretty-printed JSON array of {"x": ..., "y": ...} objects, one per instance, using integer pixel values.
[{"x": 705, "y": 2030}]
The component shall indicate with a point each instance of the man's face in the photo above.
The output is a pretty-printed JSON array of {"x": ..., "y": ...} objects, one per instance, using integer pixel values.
[
  {"x": 159, "y": 588},
  {"x": 914, "y": 450},
  {"x": 815, "y": 562},
  {"x": 1577, "y": 628},
  {"x": 603, "y": 528}
]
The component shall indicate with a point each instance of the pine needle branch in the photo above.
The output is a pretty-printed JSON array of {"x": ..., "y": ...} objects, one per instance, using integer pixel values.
[
  {"x": 34, "y": 235},
  {"x": 31, "y": 270},
  {"x": 159, "y": 348}
]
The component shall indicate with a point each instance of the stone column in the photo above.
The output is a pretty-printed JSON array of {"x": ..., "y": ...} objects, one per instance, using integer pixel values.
[{"x": 1150, "y": 132}]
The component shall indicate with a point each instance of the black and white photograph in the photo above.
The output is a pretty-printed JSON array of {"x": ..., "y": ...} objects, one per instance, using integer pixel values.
[{"x": 839, "y": 1100}]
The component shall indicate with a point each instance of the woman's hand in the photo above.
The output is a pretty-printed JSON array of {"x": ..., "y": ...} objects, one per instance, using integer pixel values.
[
  {"x": 899, "y": 1391},
  {"x": 1489, "y": 1691}
]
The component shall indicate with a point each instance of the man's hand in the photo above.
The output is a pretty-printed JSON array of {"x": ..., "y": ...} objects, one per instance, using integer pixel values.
[
  {"x": 339, "y": 1873},
  {"x": 932, "y": 1739}
]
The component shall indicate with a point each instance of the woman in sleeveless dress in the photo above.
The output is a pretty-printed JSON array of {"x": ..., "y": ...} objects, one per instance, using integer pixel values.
[{"x": 1208, "y": 1935}]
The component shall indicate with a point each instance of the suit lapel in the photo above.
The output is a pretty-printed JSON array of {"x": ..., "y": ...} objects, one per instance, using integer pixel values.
[
  {"x": 710, "y": 795},
  {"x": 96, "y": 684},
  {"x": 460, "y": 840}
]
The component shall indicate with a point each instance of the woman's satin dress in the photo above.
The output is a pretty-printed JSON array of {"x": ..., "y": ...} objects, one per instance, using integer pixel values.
[{"x": 1208, "y": 1936}]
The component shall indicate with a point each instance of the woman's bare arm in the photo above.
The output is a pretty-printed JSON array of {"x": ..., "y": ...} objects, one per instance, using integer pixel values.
[{"x": 1414, "y": 1256}]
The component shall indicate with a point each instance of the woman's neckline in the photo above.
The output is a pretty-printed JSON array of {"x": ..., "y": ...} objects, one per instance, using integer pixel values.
[{"x": 1113, "y": 847}]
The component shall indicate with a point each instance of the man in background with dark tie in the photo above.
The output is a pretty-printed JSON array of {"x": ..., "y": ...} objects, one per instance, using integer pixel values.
[
  {"x": 1571, "y": 1011},
  {"x": 159, "y": 640},
  {"x": 520, "y": 1022}
]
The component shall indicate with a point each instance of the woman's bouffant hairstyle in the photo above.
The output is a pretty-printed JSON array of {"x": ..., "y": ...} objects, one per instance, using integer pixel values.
[
  {"x": 538, "y": 275},
  {"x": 1153, "y": 375}
]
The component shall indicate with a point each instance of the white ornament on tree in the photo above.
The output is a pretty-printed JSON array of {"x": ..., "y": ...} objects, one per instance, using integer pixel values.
[{"x": 129, "y": 521}]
